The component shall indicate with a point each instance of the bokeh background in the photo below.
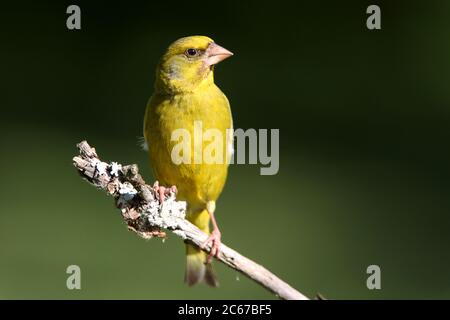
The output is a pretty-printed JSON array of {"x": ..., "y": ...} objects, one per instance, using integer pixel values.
[{"x": 364, "y": 128}]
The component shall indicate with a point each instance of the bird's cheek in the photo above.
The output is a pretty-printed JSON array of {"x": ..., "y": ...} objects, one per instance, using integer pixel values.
[{"x": 203, "y": 69}]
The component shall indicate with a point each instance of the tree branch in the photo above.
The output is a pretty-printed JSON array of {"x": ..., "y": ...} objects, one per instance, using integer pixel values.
[{"x": 144, "y": 215}]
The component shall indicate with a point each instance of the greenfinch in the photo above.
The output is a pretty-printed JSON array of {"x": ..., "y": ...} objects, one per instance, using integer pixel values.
[{"x": 184, "y": 94}]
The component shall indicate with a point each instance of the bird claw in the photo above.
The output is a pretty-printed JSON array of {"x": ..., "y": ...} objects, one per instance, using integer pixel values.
[
  {"x": 215, "y": 240},
  {"x": 163, "y": 191}
]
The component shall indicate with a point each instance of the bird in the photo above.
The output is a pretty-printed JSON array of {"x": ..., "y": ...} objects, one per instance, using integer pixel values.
[{"x": 185, "y": 94}]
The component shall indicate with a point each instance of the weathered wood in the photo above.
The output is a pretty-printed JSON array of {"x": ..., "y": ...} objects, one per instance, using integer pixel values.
[{"x": 144, "y": 215}]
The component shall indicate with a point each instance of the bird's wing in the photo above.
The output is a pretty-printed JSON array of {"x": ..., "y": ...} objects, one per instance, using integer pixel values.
[
  {"x": 142, "y": 143},
  {"x": 230, "y": 141}
]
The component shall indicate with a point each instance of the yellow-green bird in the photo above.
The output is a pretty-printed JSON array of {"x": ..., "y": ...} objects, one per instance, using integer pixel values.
[{"x": 185, "y": 94}]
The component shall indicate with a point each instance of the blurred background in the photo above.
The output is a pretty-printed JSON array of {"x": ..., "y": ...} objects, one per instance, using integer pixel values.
[{"x": 364, "y": 161}]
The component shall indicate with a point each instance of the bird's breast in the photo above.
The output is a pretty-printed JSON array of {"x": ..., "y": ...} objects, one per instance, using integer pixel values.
[{"x": 193, "y": 128}]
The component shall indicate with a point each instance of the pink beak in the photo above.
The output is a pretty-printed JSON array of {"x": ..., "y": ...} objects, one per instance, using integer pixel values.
[{"x": 216, "y": 53}]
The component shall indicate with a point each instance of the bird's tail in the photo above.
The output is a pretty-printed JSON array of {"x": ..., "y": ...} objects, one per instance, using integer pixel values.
[{"x": 196, "y": 268}]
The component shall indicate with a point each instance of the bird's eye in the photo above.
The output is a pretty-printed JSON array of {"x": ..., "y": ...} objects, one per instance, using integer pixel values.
[{"x": 191, "y": 52}]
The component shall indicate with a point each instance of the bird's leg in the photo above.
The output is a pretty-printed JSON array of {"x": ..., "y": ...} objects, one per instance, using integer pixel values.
[
  {"x": 215, "y": 236},
  {"x": 163, "y": 191}
]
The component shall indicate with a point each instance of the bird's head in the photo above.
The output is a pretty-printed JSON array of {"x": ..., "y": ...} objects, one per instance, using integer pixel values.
[{"x": 188, "y": 63}]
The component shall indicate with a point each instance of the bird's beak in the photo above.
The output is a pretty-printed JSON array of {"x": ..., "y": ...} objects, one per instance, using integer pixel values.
[{"x": 216, "y": 53}]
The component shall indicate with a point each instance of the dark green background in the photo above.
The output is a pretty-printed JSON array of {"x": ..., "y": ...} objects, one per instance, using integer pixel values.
[{"x": 364, "y": 130}]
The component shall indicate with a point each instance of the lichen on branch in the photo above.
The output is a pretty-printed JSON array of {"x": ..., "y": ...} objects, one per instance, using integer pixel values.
[{"x": 145, "y": 215}]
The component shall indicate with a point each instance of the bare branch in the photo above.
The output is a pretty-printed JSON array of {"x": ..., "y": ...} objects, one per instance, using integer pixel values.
[{"x": 144, "y": 215}]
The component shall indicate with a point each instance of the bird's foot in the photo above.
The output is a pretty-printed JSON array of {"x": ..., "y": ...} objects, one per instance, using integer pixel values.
[
  {"x": 163, "y": 191},
  {"x": 215, "y": 240}
]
